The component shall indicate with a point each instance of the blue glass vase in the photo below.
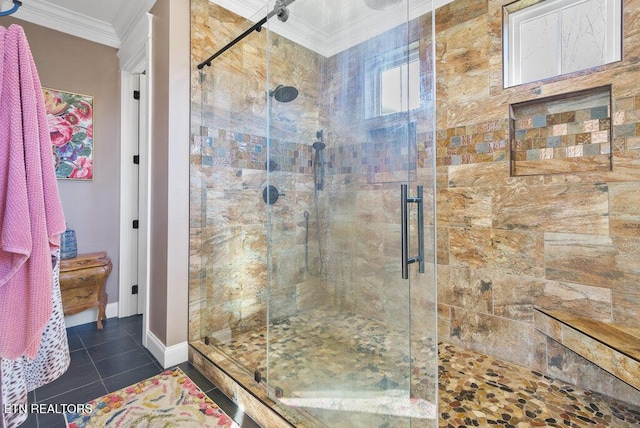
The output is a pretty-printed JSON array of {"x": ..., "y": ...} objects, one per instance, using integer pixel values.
[{"x": 68, "y": 244}]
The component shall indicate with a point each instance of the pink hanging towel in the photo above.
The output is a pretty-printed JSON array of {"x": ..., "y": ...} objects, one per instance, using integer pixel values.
[{"x": 31, "y": 217}]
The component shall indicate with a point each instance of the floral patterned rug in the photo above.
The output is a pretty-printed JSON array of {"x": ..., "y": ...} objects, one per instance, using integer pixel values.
[{"x": 169, "y": 399}]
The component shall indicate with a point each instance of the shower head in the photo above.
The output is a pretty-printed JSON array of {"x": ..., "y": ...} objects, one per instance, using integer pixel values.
[
  {"x": 318, "y": 161},
  {"x": 284, "y": 94},
  {"x": 381, "y": 4}
]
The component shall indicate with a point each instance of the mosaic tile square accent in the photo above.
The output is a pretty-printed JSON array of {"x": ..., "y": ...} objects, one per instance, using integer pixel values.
[{"x": 565, "y": 133}]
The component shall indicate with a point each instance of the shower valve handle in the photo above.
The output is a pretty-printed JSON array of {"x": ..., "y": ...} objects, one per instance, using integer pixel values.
[{"x": 270, "y": 194}]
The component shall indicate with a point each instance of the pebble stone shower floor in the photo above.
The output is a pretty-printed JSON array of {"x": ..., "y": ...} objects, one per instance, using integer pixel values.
[
  {"x": 479, "y": 390},
  {"x": 323, "y": 351}
]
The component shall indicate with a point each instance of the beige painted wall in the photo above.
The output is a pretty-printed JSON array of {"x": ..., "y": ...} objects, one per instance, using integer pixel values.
[
  {"x": 159, "y": 136},
  {"x": 92, "y": 208},
  {"x": 169, "y": 250},
  {"x": 77, "y": 65}
]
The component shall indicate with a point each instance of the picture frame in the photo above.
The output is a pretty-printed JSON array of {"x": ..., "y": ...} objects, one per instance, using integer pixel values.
[{"x": 70, "y": 121}]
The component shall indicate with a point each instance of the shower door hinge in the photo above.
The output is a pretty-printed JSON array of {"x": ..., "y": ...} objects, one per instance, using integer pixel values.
[
  {"x": 136, "y": 159},
  {"x": 136, "y": 95},
  {"x": 136, "y": 223},
  {"x": 134, "y": 289}
]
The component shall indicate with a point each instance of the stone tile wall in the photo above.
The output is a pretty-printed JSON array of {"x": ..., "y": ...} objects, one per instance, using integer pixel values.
[
  {"x": 562, "y": 241},
  {"x": 568, "y": 241}
]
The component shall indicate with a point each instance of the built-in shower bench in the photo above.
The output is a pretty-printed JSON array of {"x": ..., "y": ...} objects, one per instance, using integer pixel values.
[{"x": 614, "y": 348}]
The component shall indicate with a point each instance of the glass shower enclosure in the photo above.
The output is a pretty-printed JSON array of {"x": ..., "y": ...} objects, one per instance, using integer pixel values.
[{"x": 312, "y": 206}]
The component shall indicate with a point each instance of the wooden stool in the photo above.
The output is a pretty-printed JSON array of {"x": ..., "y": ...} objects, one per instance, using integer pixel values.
[{"x": 82, "y": 283}]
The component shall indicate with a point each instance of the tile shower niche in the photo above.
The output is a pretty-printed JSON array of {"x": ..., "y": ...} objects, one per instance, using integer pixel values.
[{"x": 562, "y": 134}]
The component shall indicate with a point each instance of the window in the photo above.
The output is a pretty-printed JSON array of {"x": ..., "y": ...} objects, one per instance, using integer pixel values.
[
  {"x": 556, "y": 37},
  {"x": 392, "y": 82}
]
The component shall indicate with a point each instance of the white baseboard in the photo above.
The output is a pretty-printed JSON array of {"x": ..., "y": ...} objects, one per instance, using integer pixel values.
[
  {"x": 90, "y": 315},
  {"x": 167, "y": 356}
]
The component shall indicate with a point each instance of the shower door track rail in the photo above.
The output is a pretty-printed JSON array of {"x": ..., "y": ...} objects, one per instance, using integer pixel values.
[
  {"x": 405, "y": 201},
  {"x": 16, "y": 6},
  {"x": 279, "y": 10}
]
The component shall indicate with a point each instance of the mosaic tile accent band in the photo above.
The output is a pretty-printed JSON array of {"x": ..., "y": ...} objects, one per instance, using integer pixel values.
[
  {"x": 219, "y": 147},
  {"x": 626, "y": 123},
  {"x": 476, "y": 143},
  {"x": 569, "y": 134}
]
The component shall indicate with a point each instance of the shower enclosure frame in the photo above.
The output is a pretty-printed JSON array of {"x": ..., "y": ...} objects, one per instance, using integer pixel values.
[{"x": 418, "y": 167}]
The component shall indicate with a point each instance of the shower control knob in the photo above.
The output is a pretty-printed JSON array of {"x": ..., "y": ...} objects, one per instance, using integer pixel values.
[{"x": 270, "y": 194}]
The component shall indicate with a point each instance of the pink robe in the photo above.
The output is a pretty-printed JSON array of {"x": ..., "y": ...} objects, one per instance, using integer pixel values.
[{"x": 31, "y": 217}]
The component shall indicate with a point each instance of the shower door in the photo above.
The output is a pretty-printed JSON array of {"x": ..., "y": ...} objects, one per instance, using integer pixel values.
[{"x": 351, "y": 329}]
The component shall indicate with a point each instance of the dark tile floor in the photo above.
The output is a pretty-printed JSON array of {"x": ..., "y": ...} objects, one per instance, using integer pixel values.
[{"x": 107, "y": 360}]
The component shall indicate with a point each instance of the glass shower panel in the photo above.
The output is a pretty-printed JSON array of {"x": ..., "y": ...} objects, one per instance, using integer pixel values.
[
  {"x": 228, "y": 176},
  {"x": 303, "y": 136},
  {"x": 350, "y": 343}
]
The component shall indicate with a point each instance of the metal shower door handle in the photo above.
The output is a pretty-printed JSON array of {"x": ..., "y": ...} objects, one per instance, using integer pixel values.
[{"x": 405, "y": 201}]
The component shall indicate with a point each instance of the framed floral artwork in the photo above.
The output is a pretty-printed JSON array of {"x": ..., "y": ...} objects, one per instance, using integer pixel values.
[{"x": 70, "y": 119}]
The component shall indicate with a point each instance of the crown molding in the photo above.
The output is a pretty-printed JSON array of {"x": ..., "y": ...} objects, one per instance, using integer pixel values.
[
  {"x": 310, "y": 36},
  {"x": 133, "y": 52},
  {"x": 67, "y": 21},
  {"x": 58, "y": 18},
  {"x": 129, "y": 17},
  {"x": 246, "y": 8},
  {"x": 327, "y": 44},
  {"x": 375, "y": 24}
]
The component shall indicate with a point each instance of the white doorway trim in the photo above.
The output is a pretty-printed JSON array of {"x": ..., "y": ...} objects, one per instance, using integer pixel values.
[
  {"x": 135, "y": 60},
  {"x": 128, "y": 303},
  {"x": 144, "y": 237}
]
